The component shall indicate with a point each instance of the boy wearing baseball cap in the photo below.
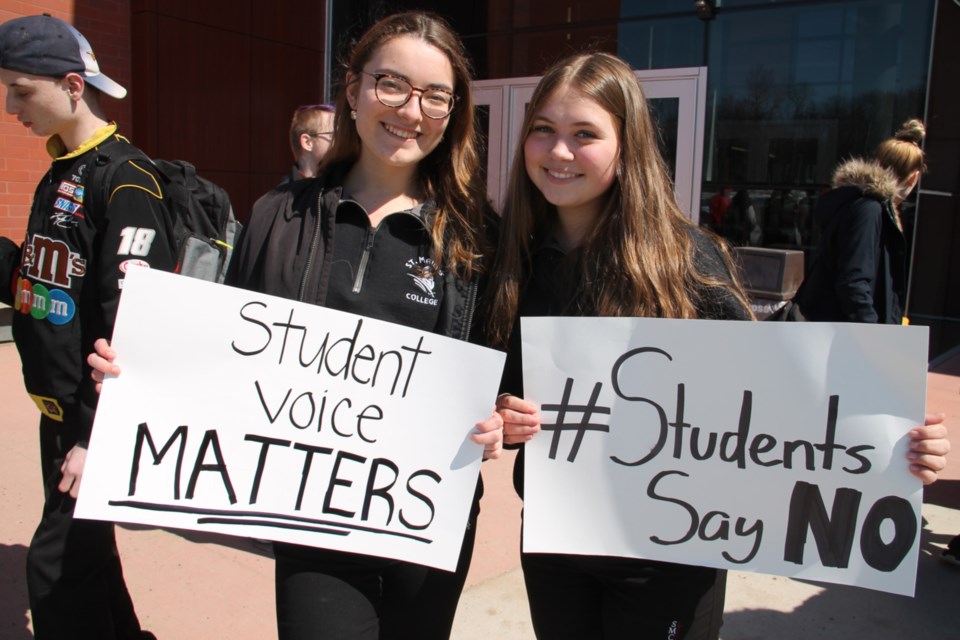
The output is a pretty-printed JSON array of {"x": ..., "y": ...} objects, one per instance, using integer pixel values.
[{"x": 64, "y": 283}]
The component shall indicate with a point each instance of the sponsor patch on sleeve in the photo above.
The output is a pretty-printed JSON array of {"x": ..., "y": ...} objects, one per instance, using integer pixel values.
[{"x": 49, "y": 407}]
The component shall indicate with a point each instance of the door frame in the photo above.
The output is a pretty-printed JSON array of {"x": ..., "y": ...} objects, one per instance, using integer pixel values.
[{"x": 506, "y": 99}]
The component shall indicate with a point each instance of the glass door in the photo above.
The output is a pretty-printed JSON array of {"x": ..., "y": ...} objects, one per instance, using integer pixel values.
[{"x": 677, "y": 98}]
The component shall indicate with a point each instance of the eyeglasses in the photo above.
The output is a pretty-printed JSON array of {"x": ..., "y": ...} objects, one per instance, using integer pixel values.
[
  {"x": 320, "y": 133},
  {"x": 394, "y": 92}
]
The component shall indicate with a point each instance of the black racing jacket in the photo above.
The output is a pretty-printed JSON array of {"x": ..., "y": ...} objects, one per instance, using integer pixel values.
[{"x": 66, "y": 278}]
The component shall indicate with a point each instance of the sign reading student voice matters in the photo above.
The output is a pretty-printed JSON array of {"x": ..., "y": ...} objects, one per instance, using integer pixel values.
[
  {"x": 771, "y": 447},
  {"x": 252, "y": 415}
]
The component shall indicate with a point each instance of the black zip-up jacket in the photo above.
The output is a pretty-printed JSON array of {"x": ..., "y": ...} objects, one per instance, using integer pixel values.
[
  {"x": 66, "y": 278},
  {"x": 551, "y": 290},
  {"x": 287, "y": 250}
]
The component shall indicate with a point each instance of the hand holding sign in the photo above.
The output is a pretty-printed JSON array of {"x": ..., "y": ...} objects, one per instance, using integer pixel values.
[
  {"x": 295, "y": 423},
  {"x": 102, "y": 362},
  {"x": 730, "y": 444},
  {"x": 521, "y": 418},
  {"x": 928, "y": 446}
]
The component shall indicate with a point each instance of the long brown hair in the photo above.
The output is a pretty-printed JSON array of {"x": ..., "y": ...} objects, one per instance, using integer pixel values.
[
  {"x": 639, "y": 258},
  {"x": 450, "y": 174}
]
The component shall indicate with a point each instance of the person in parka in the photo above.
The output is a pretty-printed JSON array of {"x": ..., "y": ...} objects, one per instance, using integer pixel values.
[{"x": 859, "y": 268}]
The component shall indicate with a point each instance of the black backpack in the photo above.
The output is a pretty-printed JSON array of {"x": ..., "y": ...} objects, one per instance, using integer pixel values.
[{"x": 204, "y": 225}]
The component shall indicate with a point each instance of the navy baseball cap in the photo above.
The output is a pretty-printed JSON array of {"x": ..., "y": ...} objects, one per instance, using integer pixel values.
[{"x": 47, "y": 46}]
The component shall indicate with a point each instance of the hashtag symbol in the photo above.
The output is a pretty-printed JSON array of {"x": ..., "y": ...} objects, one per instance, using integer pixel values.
[{"x": 586, "y": 412}]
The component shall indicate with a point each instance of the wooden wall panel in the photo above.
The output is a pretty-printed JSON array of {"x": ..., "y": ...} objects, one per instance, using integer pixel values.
[
  {"x": 296, "y": 23},
  {"x": 220, "y": 82},
  {"x": 229, "y": 15},
  {"x": 284, "y": 78},
  {"x": 145, "y": 88},
  {"x": 203, "y": 104}
]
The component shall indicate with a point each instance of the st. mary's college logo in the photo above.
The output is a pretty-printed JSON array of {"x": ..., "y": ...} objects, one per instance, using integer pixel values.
[{"x": 424, "y": 272}]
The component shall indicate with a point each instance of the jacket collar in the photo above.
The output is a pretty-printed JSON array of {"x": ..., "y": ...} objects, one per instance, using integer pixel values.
[{"x": 58, "y": 151}]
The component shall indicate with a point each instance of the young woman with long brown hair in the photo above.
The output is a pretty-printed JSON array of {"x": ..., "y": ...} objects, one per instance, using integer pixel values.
[{"x": 591, "y": 228}]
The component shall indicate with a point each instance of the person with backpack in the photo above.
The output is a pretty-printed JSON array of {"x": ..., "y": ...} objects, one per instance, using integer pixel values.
[{"x": 64, "y": 283}]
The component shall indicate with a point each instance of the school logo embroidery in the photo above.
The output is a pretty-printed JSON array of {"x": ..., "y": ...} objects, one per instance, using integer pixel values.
[
  {"x": 424, "y": 272},
  {"x": 51, "y": 261},
  {"x": 674, "y": 631}
]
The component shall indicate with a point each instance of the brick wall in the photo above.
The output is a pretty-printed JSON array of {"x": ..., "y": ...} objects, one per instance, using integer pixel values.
[{"x": 23, "y": 160}]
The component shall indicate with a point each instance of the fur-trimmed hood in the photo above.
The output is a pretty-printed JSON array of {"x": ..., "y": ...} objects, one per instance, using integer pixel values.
[
  {"x": 872, "y": 178},
  {"x": 854, "y": 179}
]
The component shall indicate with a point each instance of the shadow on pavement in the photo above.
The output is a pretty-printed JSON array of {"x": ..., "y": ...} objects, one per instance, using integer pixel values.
[
  {"x": 261, "y": 548},
  {"x": 840, "y": 611},
  {"x": 944, "y": 493},
  {"x": 13, "y": 593}
]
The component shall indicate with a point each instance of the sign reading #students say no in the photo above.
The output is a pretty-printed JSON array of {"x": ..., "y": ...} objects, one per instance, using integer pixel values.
[
  {"x": 778, "y": 449},
  {"x": 257, "y": 416}
]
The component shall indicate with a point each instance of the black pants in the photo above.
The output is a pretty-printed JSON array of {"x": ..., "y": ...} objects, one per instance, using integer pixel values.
[
  {"x": 74, "y": 578},
  {"x": 332, "y": 595},
  {"x": 575, "y": 597}
]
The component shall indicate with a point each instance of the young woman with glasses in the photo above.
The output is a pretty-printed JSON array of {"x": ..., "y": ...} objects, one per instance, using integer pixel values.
[
  {"x": 398, "y": 195},
  {"x": 398, "y": 187}
]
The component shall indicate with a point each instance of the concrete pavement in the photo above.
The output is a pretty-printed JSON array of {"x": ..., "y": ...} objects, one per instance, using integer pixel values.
[{"x": 188, "y": 585}]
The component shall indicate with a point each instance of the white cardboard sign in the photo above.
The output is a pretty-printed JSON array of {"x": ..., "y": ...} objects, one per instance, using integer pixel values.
[
  {"x": 252, "y": 415},
  {"x": 770, "y": 447}
]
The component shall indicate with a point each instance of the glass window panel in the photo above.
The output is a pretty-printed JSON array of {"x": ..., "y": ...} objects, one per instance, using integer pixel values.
[
  {"x": 539, "y": 13},
  {"x": 796, "y": 89},
  {"x": 819, "y": 61},
  {"x": 535, "y": 51},
  {"x": 661, "y": 44},
  {"x": 747, "y": 3},
  {"x": 820, "y": 22},
  {"x": 640, "y": 8},
  {"x": 666, "y": 117}
]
